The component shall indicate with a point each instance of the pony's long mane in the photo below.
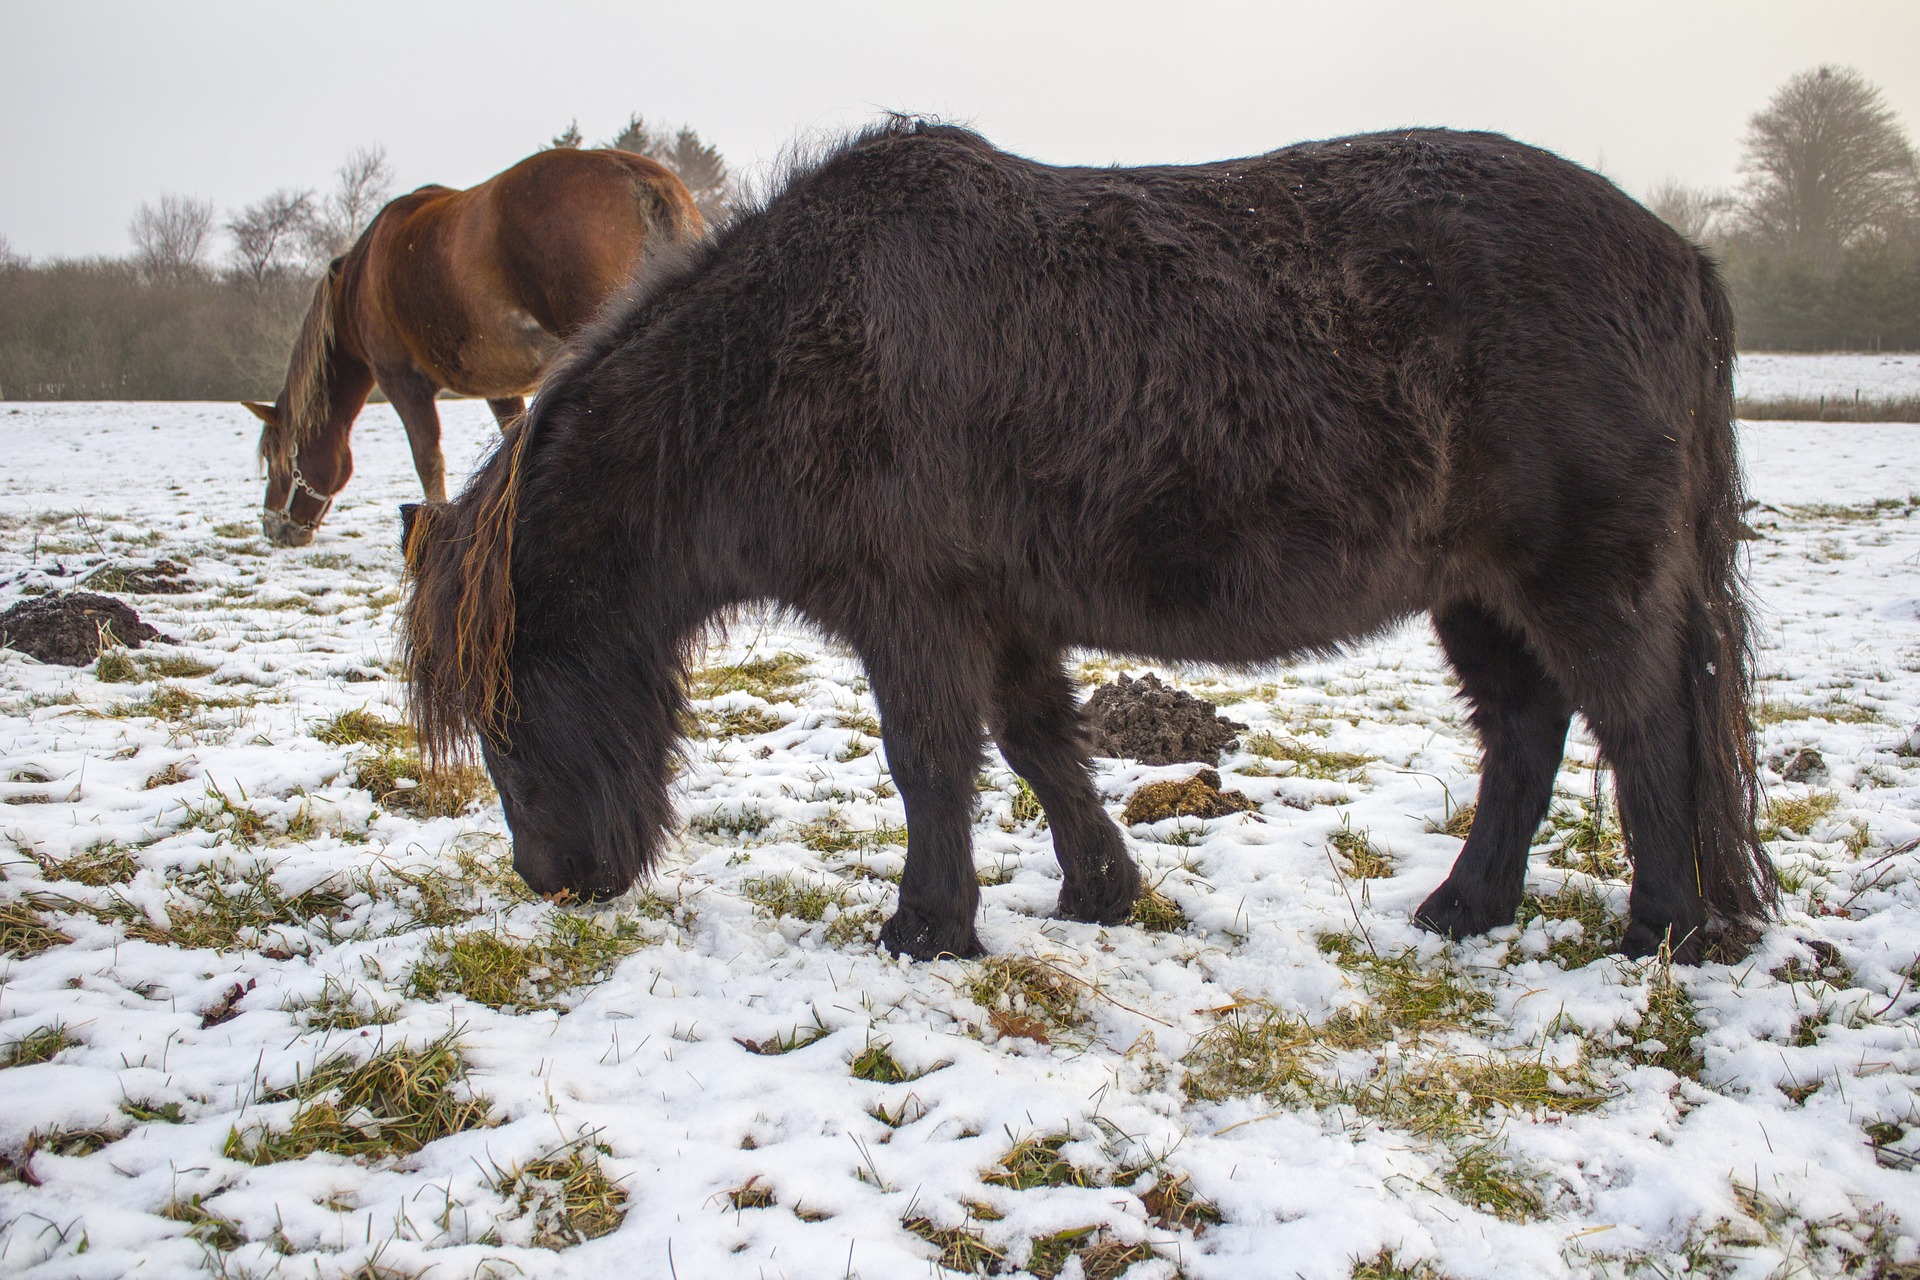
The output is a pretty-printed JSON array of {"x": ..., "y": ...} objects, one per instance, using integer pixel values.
[{"x": 308, "y": 396}]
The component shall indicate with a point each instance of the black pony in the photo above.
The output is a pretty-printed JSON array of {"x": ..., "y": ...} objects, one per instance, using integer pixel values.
[{"x": 965, "y": 412}]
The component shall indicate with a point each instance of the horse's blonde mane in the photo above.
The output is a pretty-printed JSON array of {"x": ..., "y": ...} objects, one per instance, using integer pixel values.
[{"x": 309, "y": 400}]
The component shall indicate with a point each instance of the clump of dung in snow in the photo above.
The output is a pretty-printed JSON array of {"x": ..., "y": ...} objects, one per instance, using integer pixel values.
[
  {"x": 1197, "y": 797},
  {"x": 71, "y": 628},
  {"x": 1144, "y": 720}
]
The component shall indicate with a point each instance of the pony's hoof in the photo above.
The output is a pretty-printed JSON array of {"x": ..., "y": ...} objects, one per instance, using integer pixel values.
[
  {"x": 1104, "y": 905},
  {"x": 922, "y": 938},
  {"x": 1447, "y": 912},
  {"x": 1683, "y": 945}
]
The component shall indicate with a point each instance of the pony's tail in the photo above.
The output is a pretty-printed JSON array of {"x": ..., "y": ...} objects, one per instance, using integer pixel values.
[{"x": 1736, "y": 878}]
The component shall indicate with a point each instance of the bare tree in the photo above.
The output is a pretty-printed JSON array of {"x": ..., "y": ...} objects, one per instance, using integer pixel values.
[
  {"x": 8, "y": 258},
  {"x": 360, "y": 188},
  {"x": 1698, "y": 213},
  {"x": 272, "y": 235},
  {"x": 1827, "y": 163},
  {"x": 169, "y": 241},
  {"x": 572, "y": 137},
  {"x": 691, "y": 159}
]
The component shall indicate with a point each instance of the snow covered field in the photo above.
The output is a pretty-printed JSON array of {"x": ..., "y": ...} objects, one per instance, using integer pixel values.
[
  {"x": 1873, "y": 377},
  {"x": 265, "y": 1021}
]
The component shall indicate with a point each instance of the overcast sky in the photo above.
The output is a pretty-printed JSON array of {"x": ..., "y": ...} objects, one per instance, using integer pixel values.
[{"x": 104, "y": 105}]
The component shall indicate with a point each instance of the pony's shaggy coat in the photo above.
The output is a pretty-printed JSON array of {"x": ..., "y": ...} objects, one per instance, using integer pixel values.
[
  {"x": 966, "y": 412},
  {"x": 471, "y": 291}
]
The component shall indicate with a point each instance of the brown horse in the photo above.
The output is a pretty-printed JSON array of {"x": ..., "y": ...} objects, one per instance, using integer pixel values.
[{"x": 471, "y": 291}]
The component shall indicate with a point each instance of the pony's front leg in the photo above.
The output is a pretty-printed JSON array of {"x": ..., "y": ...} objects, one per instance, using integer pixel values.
[{"x": 930, "y": 723}]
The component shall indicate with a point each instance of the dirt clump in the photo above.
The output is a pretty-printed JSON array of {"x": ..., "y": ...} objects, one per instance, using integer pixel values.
[
  {"x": 71, "y": 628},
  {"x": 1802, "y": 765},
  {"x": 1197, "y": 797},
  {"x": 1145, "y": 720}
]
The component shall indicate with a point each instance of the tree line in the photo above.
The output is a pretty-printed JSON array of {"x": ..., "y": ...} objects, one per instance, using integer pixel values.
[
  {"x": 205, "y": 307},
  {"x": 1821, "y": 244}
]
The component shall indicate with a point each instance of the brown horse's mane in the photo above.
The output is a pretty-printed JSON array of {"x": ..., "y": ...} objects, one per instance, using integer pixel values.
[{"x": 309, "y": 399}]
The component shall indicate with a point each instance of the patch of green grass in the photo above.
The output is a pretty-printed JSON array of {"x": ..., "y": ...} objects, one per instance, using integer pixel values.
[
  {"x": 1101, "y": 1256},
  {"x": 338, "y": 1007},
  {"x": 1586, "y": 837},
  {"x": 1026, "y": 806},
  {"x": 362, "y": 725},
  {"x": 146, "y": 1111},
  {"x": 104, "y": 863},
  {"x": 745, "y": 723},
  {"x": 1037, "y": 1162},
  {"x": 730, "y": 823},
  {"x": 1409, "y": 994},
  {"x": 1157, "y": 913},
  {"x": 787, "y": 1042},
  {"x": 1836, "y": 710},
  {"x": 831, "y": 834},
  {"x": 1364, "y": 859},
  {"x": 1668, "y": 1030},
  {"x": 795, "y": 896},
  {"x": 221, "y": 907},
  {"x": 24, "y": 932},
  {"x": 1457, "y": 823},
  {"x": 1255, "y": 1049},
  {"x": 172, "y": 703},
  {"x": 962, "y": 1249},
  {"x": 1173, "y": 1205},
  {"x": 391, "y": 1104},
  {"x": 397, "y": 780},
  {"x": 239, "y": 823},
  {"x": 1020, "y": 990},
  {"x": 877, "y": 1064},
  {"x": 498, "y": 971},
  {"x": 218, "y": 1233},
  {"x": 115, "y": 666},
  {"x": 1793, "y": 817},
  {"x": 72, "y": 1142},
  {"x": 37, "y": 1046},
  {"x": 1600, "y": 929},
  {"x": 1386, "y": 1265},
  {"x": 752, "y": 1194},
  {"x": 567, "y": 1194},
  {"x": 855, "y": 926},
  {"x": 1308, "y": 761},
  {"x": 764, "y": 678},
  {"x": 1446, "y": 1095}
]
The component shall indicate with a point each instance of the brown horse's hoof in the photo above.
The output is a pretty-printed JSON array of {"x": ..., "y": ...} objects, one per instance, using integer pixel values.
[{"x": 920, "y": 937}]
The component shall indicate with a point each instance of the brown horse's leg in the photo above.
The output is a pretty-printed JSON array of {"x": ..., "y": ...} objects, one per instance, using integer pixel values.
[
  {"x": 507, "y": 410},
  {"x": 1521, "y": 714},
  {"x": 1036, "y": 721},
  {"x": 412, "y": 395},
  {"x": 932, "y": 699}
]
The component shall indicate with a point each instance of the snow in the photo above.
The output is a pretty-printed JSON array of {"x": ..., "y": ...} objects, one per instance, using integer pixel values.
[
  {"x": 1759, "y": 376},
  {"x": 648, "y": 1062}
]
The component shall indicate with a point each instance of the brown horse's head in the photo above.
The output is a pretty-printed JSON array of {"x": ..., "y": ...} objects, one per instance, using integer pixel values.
[{"x": 303, "y": 432}]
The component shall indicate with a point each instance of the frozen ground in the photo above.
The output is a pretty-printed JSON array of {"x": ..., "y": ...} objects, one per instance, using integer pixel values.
[
  {"x": 1872, "y": 377},
  {"x": 1281, "y": 1077}
]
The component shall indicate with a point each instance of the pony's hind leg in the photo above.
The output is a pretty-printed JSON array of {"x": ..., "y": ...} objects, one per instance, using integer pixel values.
[
  {"x": 1521, "y": 714},
  {"x": 412, "y": 394},
  {"x": 931, "y": 713},
  {"x": 1036, "y": 721},
  {"x": 1649, "y": 750}
]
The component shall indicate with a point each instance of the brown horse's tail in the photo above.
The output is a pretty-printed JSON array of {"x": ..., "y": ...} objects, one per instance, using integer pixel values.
[{"x": 1736, "y": 878}]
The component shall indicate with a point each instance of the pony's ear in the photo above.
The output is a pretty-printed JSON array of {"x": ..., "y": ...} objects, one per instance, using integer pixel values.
[{"x": 265, "y": 412}]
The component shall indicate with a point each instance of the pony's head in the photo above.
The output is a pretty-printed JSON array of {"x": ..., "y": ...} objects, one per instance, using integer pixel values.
[
  {"x": 514, "y": 647},
  {"x": 301, "y": 486}
]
